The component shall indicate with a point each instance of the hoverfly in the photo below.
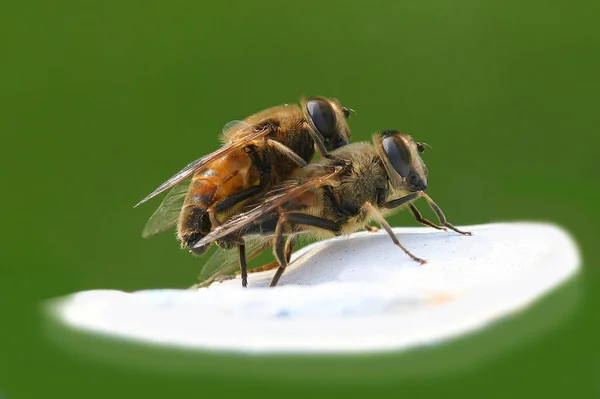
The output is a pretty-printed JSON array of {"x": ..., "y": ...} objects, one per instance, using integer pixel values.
[
  {"x": 337, "y": 196},
  {"x": 259, "y": 152}
]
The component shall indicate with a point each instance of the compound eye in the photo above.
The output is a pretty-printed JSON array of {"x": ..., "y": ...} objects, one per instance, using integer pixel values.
[
  {"x": 420, "y": 147},
  {"x": 396, "y": 150},
  {"x": 323, "y": 117},
  {"x": 346, "y": 112}
]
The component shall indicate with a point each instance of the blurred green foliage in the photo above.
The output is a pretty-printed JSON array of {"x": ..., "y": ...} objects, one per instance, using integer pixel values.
[{"x": 102, "y": 100}]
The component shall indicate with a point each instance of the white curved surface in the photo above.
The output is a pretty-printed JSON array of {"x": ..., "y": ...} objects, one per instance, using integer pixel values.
[{"x": 345, "y": 295}]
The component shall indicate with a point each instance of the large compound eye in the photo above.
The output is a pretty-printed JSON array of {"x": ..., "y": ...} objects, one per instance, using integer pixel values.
[
  {"x": 397, "y": 153},
  {"x": 323, "y": 117}
]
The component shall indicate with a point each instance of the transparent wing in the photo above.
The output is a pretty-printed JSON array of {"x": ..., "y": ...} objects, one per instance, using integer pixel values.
[
  {"x": 273, "y": 201},
  {"x": 235, "y": 125},
  {"x": 233, "y": 129},
  {"x": 225, "y": 262},
  {"x": 198, "y": 163},
  {"x": 167, "y": 214}
]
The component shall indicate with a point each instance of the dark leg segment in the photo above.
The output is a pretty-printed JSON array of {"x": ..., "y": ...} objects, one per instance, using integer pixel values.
[
  {"x": 395, "y": 203},
  {"x": 228, "y": 203},
  {"x": 289, "y": 248},
  {"x": 441, "y": 216},
  {"x": 236, "y": 198},
  {"x": 422, "y": 220},
  {"x": 237, "y": 240},
  {"x": 243, "y": 264},
  {"x": 283, "y": 249},
  {"x": 310, "y": 220}
]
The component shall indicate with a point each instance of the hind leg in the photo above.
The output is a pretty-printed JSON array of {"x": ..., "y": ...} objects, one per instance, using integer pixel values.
[
  {"x": 206, "y": 219},
  {"x": 285, "y": 224},
  {"x": 289, "y": 248}
]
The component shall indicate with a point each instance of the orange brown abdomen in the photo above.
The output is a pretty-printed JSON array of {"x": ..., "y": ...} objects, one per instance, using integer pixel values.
[{"x": 222, "y": 185}]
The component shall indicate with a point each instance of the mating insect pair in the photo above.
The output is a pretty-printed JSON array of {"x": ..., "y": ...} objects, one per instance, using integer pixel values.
[
  {"x": 259, "y": 153},
  {"x": 264, "y": 165},
  {"x": 335, "y": 196}
]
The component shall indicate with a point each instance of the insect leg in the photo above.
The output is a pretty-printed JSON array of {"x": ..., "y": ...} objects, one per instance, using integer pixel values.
[
  {"x": 387, "y": 228},
  {"x": 422, "y": 220},
  {"x": 281, "y": 248},
  {"x": 268, "y": 266},
  {"x": 212, "y": 215},
  {"x": 316, "y": 136},
  {"x": 371, "y": 229},
  {"x": 441, "y": 216},
  {"x": 285, "y": 150},
  {"x": 241, "y": 244},
  {"x": 236, "y": 198},
  {"x": 227, "y": 203},
  {"x": 237, "y": 240},
  {"x": 243, "y": 263},
  {"x": 289, "y": 247},
  {"x": 395, "y": 203},
  {"x": 278, "y": 248}
]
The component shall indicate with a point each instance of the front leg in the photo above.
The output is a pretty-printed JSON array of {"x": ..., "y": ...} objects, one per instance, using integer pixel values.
[
  {"x": 422, "y": 220},
  {"x": 407, "y": 199},
  {"x": 318, "y": 139},
  {"x": 285, "y": 150},
  {"x": 441, "y": 216}
]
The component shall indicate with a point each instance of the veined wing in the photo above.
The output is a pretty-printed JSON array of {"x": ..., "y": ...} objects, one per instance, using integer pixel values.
[
  {"x": 167, "y": 214},
  {"x": 274, "y": 200},
  {"x": 198, "y": 163},
  {"x": 225, "y": 262}
]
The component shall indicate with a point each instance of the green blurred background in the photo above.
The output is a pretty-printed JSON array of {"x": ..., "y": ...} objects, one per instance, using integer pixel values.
[{"x": 103, "y": 100}]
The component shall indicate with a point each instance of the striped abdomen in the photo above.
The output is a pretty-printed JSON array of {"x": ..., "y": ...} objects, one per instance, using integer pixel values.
[{"x": 221, "y": 185}]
